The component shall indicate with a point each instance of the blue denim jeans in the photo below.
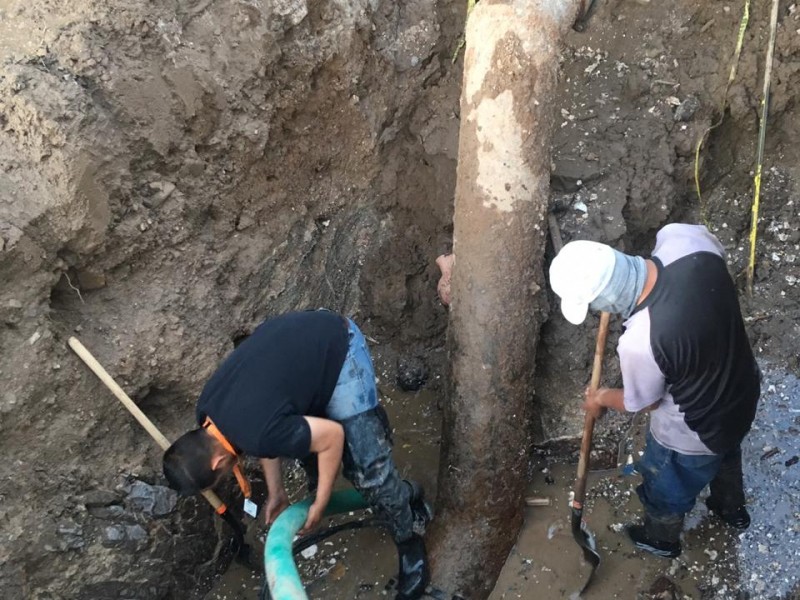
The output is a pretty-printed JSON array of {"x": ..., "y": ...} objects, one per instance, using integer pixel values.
[
  {"x": 672, "y": 481},
  {"x": 367, "y": 456},
  {"x": 355, "y": 390}
]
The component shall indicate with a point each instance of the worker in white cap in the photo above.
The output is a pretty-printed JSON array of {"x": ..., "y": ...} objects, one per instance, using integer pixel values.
[{"x": 684, "y": 356}]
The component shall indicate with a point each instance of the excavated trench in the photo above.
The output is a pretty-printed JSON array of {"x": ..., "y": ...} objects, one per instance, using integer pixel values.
[{"x": 172, "y": 173}]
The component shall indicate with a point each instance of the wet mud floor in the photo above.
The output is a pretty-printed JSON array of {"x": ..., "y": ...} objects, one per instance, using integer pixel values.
[{"x": 545, "y": 563}]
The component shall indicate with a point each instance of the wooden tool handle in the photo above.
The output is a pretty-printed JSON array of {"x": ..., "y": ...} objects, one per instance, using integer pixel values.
[
  {"x": 588, "y": 423},
  {"x": 555, "y": 233},
  {"x": 103, "y": 375},
  {"x": 163, "y": 442},
  {"x": 599, "y": 351}
]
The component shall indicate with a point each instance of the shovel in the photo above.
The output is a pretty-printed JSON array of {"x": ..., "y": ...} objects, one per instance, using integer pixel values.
[
  {"x": 580, "y": 531},
  {"x": 241, "y": 549}
]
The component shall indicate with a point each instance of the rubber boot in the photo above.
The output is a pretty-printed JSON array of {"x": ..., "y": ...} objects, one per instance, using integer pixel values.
[
  {"x": 414, "y": 572},
  {"x": 738, "y": 518},
  {"x": 420, "y": 509},
  {"x": 661, "y": 536},
  {"x": 727, "y": 500}
]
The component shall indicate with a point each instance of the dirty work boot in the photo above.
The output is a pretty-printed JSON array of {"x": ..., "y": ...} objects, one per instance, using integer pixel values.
[
  {"x": 421, "y": 511},
  {"x": 661, "y": 537},
  {"x": 727, "y": 500},
  {"x": 414, "y": 573},
  {"x": 738, "y": 518}
]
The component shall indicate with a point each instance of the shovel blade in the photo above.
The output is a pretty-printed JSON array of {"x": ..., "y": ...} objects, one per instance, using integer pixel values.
[
  {"x": 588, "y": 543},
  {"x": 238, "y": 545}
]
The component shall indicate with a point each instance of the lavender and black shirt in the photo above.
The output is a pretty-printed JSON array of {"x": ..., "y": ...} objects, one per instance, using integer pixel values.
[{"x": 686, "y": 345}]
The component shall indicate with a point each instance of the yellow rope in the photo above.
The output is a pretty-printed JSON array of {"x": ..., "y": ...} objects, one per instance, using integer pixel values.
[
  {"x": 753, "y": 228},
  {"x": 762, "y": 136},
  {"x": 731, "y": 77},
  {"x": 463, "y": 39}
]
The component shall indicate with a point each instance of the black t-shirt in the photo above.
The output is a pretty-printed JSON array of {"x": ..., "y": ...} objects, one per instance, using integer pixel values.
[
  {"x": 686, "y": 344},
  {"x": 699, "y": 341},
  {"x": 287, "y": 369}
]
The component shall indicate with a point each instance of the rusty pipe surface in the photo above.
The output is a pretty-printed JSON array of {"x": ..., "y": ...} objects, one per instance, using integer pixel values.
[{"x": 502, "y": 190}]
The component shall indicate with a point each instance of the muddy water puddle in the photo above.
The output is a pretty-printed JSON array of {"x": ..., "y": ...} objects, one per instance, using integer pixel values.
[{"x": 546, "y": 563}]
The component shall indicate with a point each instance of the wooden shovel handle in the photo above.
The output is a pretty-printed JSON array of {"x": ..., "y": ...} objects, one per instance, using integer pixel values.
[
  {"x": 599, "y": 350},
  {"x": 588, "y": 423},
  {"x": 163, "y": 442}
]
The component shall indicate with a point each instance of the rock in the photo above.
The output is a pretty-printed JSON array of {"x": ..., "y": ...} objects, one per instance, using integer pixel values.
[
  {"x": 117, "y": 535},
  {"x": 99, "y": 498},
  {"x": 664, "y": 588},
  {"x": 245, "y": 222},
  {"x": 136, "y": 533},
  {"x": 153, "y": 500},
  {"x": 162, "y": 190},
  {"x": 89, "y": 279},
  {"x": 113, "y": 512},
  {"x": 293, "y": 11},
  {"x": 309, "y": 552},
  {"x": 412, "y": 373},
  {"x": 687, "y": 109},
  {"x": 415, "y": 41},
  {"x": 8, "y": 402},
  {"x": 337, "y": 571},
  {"x": 70, "y": 536},
  {"x": 113, "y": 535}
]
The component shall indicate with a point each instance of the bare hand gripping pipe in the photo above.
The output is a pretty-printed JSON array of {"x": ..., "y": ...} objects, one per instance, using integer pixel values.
[{"x": 282, "y": 576}]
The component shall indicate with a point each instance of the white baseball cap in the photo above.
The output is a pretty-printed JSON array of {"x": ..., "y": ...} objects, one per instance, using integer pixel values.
[{"x": 578, "y": 274}]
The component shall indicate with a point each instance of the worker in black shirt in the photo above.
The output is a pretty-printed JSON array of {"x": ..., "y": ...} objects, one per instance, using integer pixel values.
[
  {"x": 685, "y": 357},
  {"x": 303, "y": 386}
]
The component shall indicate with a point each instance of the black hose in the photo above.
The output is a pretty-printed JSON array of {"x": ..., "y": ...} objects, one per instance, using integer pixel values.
[{"x": 315, "y": 538}]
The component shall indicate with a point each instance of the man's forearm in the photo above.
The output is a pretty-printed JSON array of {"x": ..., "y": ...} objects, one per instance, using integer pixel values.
[
  {"x": 328, "y": 463},
  {"x": 613, "y": 398},
  {"x": 327, "y": 442},
  {"x": 272, "y": 474}
]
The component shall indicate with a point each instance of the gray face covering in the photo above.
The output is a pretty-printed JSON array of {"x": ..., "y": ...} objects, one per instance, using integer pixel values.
[{"x": 625, "y": 287}]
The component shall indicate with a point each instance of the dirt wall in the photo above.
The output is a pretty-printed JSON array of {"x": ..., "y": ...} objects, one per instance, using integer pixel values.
[
  {"x": 170, "y": 174},
  {"x": 638, "y": 89}
]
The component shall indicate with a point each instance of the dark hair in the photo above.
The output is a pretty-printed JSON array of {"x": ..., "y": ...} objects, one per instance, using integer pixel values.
[{"x": 187, "y": 463}]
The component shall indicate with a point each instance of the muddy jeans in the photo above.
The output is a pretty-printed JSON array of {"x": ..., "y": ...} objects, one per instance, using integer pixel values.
[
  {"x": 367, "y": 456},
  {"x": 672, "y": 481}
]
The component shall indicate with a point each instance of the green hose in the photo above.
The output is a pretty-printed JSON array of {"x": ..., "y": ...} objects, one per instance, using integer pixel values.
[{"x": 282, "y": 576}]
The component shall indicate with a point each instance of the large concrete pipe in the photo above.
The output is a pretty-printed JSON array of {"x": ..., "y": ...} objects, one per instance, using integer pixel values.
[{"x": 507, "y": 105}]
